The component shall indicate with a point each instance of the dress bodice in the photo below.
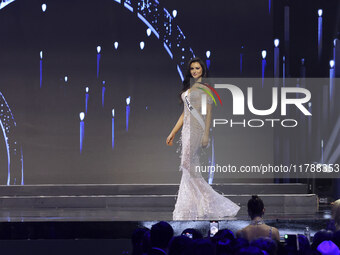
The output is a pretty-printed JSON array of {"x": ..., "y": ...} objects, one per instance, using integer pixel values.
[{"x": 195, "y": 97}]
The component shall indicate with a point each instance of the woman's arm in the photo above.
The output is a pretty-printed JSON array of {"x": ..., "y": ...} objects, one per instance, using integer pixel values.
[
  {"x": 179, "y": 124},
  {"x": 174, "y": 131},
  {"x": 239, "y": 233},
  {"x": 276, "y": 234}
]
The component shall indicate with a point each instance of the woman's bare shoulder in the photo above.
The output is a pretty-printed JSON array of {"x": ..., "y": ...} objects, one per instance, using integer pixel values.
[{"x": 275, "y": 230}]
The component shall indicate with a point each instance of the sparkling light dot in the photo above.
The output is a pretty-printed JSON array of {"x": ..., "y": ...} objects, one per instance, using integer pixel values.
[
  {"x": 82, "y": 116},
  {"x": 128, "y": 99},
  {"x": 43, "y": 7},
  {"x": 116, "y": 45}
]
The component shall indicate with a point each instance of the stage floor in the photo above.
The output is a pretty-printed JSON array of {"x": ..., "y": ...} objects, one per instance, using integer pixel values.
[
  {"x": 108, "y": 224},
  {"x": 114, "y": 211},
  {"x": 110, "y": 214}
]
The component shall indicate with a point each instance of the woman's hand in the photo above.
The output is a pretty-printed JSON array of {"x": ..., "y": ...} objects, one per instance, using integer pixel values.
[
  {"x": 205, "y": 141},
  {"x": 169, "y": 139}
]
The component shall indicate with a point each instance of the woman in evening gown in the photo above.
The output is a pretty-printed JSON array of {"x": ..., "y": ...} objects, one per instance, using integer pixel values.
[{"x": 196, "y": 198}]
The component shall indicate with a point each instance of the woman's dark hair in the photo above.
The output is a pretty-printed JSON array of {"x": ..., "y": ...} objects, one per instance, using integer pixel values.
[
  {"x": 186, "y": 81},
  {"x": 161, "y": 234},
  {"x": 320, "y": 236},
  {"x": 266, "y": 244},
  {"x": 137, "y": 240},
  {"x": 239, "y": 243},
  {"x": 203, "y": 247},
  {"x": 223, "y": 234},
  {"x": 180, "y": 245},
  {"x": 304, "y": 245},
  {"x": 255, "y": 207},
  {"x": 250, "y": 250},
  {"x": 336, "y": 238}
]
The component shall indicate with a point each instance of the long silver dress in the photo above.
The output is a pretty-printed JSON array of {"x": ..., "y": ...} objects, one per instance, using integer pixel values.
[{"x": 196, "y": 198}]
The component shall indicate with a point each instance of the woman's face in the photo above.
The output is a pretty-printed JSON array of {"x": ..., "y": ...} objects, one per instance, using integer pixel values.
[{"x": 196, "y": 70}]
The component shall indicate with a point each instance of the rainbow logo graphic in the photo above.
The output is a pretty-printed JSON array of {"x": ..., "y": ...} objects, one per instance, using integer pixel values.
[
  {"x": 204, "y": 102},
  {"x": 209, "y": 93}
]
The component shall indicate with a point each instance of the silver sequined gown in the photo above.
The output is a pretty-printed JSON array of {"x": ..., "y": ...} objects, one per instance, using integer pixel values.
[{"x": 196, "y": 198}]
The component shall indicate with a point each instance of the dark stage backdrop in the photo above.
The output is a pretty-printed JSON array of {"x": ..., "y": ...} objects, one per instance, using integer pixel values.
[{"x": 68, "y": 33}]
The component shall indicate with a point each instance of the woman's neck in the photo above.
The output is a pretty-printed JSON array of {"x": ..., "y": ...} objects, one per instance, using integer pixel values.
[
  {"x": 257, "y": 218},
  {"x": 257, "y": 221},
  {"x": 198, "y": 80}
]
